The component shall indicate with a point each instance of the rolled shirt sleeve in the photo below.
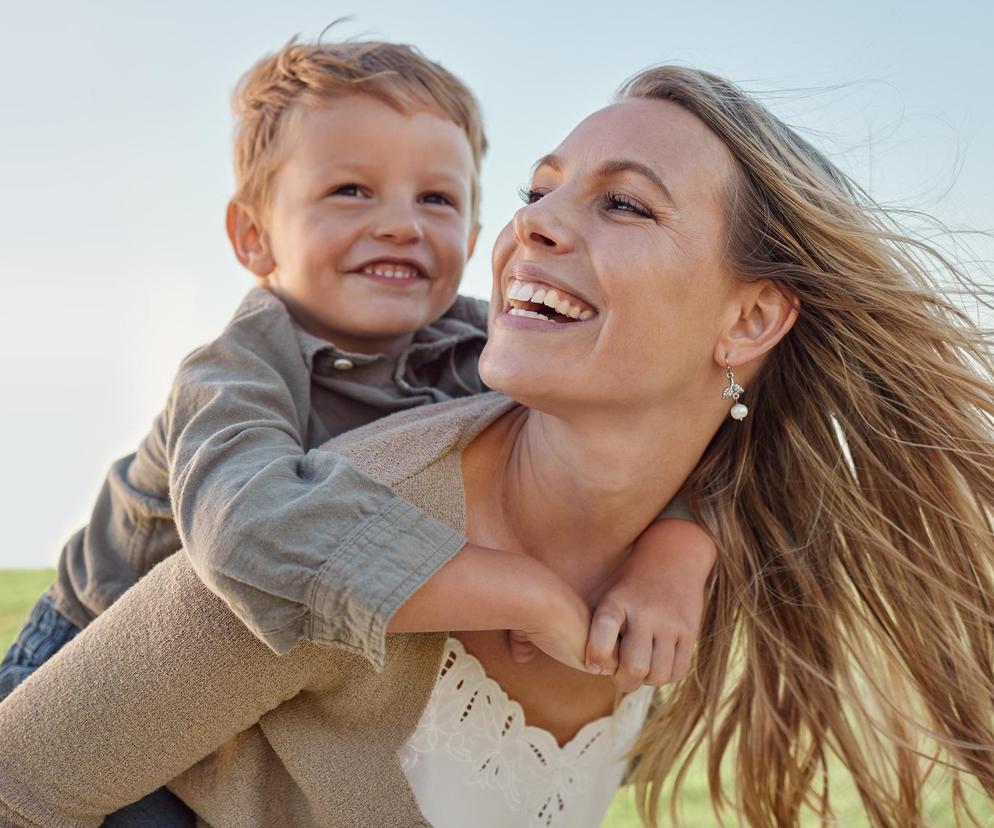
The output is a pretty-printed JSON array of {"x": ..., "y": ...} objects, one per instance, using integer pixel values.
[{"x": 299, "y": 544}]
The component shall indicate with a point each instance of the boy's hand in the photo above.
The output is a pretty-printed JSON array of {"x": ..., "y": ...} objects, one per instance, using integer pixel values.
[
  {"x": 654, "y": 602},
  {"x": 561, "y": 631}
]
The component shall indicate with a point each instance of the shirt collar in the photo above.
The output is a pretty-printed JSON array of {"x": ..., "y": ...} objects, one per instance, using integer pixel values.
[{"x": 429, "y": 343}]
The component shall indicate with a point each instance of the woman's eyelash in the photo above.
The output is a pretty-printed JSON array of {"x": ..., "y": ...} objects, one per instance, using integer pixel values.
[
  {"x": 628, "y": 204},
  {"x": 529, "y": 195},
  {"x": 620, "y": 201}
]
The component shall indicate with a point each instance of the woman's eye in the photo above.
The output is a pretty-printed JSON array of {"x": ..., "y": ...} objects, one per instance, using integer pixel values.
[
  {"x": 439, "y": 198},
  {"x": 626, "y": 204},
  {"x": 530, "y": 195}
]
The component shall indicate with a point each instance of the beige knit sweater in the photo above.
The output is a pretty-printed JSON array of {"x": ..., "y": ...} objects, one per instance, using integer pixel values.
[{"x": 168, "y": 686}]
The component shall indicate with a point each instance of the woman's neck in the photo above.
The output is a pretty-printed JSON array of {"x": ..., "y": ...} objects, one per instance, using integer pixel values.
[{"x": 574, "y": 494}]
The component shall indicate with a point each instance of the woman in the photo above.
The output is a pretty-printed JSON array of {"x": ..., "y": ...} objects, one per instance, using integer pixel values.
[{"x": 714, "y": 250}]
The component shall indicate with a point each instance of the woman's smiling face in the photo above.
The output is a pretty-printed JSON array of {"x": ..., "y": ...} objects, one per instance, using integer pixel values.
[{"x": 610, "y": 286}]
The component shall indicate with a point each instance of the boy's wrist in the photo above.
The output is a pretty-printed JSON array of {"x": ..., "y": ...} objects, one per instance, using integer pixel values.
[
  {"x": 484, "y": 589},
  {"x": 678, "y": 537},
  {"x": 527, "y": 593}
]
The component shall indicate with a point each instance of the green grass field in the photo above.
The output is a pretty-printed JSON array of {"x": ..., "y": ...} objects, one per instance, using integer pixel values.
[{"x": 20, "y": 588}]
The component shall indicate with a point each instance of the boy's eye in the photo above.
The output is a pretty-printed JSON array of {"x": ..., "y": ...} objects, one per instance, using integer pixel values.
[
  {"x": 439, "y": 198},
  {"x": 346, "y": 190}
]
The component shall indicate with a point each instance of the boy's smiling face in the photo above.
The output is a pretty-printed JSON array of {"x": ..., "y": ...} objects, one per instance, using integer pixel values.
[{"x": 369, "y": 222}]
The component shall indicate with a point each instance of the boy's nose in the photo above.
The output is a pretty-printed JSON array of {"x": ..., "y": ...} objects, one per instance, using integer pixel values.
[{"x": 398, "y": 225}]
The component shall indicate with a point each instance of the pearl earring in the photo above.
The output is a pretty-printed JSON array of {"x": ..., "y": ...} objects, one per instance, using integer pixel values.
[{"x": 733, "y": 391}]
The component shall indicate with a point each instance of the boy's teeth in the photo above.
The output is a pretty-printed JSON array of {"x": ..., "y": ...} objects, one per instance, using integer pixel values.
[{"x": 393, "y": 271}]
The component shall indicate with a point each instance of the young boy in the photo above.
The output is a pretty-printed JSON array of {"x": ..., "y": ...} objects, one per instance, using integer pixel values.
[{"x": 356, "y": 209}]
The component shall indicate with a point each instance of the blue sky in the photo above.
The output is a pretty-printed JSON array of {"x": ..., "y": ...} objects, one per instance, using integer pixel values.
[{"x": 114, "y": 163}]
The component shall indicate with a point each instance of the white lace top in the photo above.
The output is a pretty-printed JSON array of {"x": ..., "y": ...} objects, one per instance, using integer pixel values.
[{"x": 473, "y": 760}]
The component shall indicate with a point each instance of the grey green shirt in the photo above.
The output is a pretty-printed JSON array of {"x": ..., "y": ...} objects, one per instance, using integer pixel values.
[
  {"x": 286, "y": 534},
  {"x": 297, "y": 541}
]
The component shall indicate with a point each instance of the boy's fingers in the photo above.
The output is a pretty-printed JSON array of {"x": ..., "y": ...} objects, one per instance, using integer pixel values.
[
  {"x": 604, "y": 629},
  {"x": 635, "y": 658},
  {"x": 522, "y": 650},
  {"x": 663, "y": 661},
  {"x": 682, "y": 657}
]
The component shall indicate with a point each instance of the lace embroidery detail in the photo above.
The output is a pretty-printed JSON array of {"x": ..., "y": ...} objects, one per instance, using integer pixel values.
[{"x": 469, "y": 715}]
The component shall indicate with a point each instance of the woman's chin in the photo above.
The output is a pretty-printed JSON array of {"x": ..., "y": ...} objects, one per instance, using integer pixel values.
[
  {"x": 511, "y": 372},
  {"x": 525, "y": 379}
]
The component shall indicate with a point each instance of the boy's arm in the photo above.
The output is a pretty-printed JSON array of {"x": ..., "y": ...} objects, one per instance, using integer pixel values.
[
  {"x": 298, "y": 544},
  {"x": 655, "y": 600}
]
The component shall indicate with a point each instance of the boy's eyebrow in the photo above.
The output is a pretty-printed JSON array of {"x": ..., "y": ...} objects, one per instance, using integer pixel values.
[{"x": 614, "y": 167}]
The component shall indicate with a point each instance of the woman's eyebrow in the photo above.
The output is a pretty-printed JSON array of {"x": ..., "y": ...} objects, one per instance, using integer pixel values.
[
  {"x": 609, "y": 168},
  {"x": 550, "y": 160}
]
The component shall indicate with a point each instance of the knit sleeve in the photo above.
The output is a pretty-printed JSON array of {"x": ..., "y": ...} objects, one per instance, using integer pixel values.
[{"x": 160, "y": 680}]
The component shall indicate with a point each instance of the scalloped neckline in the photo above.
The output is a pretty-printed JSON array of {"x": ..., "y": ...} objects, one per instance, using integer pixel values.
[{"x": 627, "y": 700}]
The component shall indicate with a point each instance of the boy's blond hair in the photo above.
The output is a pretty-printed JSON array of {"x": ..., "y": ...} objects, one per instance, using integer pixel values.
[{"x": 312, "y": 74}]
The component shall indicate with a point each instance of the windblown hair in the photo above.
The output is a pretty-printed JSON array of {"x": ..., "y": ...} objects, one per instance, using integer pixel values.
[
  {"x": 850, "y": 617},
  {"x": 315, "y": 74}
]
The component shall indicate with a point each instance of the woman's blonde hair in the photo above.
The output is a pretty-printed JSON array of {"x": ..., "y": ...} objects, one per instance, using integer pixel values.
[{"x": 851, "y": 610}]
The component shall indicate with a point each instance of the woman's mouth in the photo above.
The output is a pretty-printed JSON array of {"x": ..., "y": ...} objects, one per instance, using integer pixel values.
[{"x": 540, "y": 301}]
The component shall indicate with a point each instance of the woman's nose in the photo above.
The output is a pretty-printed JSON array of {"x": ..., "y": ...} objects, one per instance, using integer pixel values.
[
  {"x": 398, "y": 224},
  {"x": 538, "y": 225}
]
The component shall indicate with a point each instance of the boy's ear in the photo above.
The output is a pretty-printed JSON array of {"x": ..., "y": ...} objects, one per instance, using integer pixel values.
[
  {"x": 474, "y": 234},
  {"x": 248, "y": 240},
  {"x": 764, "y": 315}
]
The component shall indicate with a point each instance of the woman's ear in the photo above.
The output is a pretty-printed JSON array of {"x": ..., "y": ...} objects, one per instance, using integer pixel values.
[
  {"x": 764, "y": 315},
  {"x": 248, "y": 240}
]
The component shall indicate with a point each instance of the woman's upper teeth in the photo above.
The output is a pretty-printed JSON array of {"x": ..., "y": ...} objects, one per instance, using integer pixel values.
[
  {"x": 392, "y": 271},
  {"x": 555, "y": 298}
]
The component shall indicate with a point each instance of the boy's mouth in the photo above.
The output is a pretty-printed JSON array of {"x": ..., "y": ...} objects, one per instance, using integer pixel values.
[
  {"x": 393, "y": 269},
  {"x": 541, "y": 301}
]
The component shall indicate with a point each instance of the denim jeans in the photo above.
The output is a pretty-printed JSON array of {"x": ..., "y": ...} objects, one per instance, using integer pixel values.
[{"x": 46, "y": 632}]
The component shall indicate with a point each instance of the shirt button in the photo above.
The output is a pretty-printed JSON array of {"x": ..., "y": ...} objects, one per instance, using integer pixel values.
[{"x": 342, "y": 364}]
